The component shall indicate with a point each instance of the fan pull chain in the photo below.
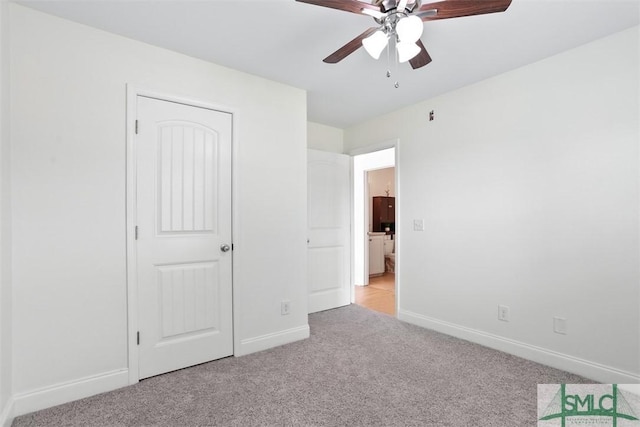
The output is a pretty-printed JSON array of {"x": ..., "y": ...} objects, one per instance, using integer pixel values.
[
  {"x": 396, "y": 85},
  {"x": 388, "y": 62},
  {"x": 395, "y": 55}
]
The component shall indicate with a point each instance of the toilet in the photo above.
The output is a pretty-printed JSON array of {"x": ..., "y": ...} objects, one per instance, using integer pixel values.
[{"x": 389, "y": 256}]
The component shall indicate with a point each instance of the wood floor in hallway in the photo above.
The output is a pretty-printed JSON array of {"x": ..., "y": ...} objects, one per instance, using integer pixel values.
[{"x": 379, "y": 295}]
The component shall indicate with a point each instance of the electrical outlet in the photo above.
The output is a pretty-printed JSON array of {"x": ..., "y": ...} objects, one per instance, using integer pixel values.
[
  {"x": 285, "y": 307},
  {"x": 503, "y": 313},
  {"x": 560, "y": 325},
  {"x": 418, "y": 225}
]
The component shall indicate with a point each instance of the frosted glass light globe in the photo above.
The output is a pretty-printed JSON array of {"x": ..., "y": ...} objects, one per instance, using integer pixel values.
[
  {"x": 375, "y": 43},
  {"x": 409, "y": 29},
  {"x": 407, "y": 51}
]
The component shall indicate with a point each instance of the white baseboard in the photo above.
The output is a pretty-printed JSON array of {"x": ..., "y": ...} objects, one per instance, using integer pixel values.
[
  {"x": 35, "y": 400},
  {"x": 585, "y": 368},
  {"x": 264, "y": 342},
  {"x": 6, "y": 415}
]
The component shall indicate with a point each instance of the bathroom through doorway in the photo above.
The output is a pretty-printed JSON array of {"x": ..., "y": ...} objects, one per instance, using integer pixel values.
[{"x": 375, "y": 232}]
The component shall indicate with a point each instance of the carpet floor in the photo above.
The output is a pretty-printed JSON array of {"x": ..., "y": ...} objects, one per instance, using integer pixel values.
[{"x": 358, "y": 368}]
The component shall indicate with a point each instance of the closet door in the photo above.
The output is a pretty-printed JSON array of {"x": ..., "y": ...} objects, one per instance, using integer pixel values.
[{"x": 183, "y": 210}]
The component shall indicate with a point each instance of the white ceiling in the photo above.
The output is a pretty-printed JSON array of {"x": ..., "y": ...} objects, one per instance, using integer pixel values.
[{"x": 285, "y": 41}]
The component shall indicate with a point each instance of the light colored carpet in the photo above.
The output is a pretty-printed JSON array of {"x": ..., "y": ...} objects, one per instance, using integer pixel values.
[{"x": 358, "y": 368}]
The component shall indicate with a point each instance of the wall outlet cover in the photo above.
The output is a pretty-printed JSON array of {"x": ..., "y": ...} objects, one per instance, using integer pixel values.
[
  {"x": 418, "y": 225},
  {"x": 560, "y": 325},
  {"x": 503, "y": 313},
  {"x": 285, "y": 307}
]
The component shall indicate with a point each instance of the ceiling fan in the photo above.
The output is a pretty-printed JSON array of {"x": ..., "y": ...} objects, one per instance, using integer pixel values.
[{"x": 402, "y": 21}]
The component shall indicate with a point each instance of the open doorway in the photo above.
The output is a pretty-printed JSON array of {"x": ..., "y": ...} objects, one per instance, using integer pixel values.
[{"x": 375, "y": 237}]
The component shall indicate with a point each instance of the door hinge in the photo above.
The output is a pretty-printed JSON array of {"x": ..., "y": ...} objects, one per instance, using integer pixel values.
[
  {"x": 138, "y": 337},
  {"x": 136, "y": 233},
  {"x": 232, "y": 246},
  {"x": 136, "y": 126}
]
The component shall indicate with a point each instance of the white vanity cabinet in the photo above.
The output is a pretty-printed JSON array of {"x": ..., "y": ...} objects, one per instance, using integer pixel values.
[{"x": 376, "y": 253}]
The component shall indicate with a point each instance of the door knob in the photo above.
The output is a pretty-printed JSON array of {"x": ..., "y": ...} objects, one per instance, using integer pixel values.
[{"x": 225, "y": 248}]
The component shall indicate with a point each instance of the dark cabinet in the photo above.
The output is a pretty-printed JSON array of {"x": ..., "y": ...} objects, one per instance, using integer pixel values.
[{"x": 384, "y": 213}]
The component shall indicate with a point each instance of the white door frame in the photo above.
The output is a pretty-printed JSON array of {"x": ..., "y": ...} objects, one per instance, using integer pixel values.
[
  {"x": 132, "y": 268},
  {"x": 394, "y": 143}
]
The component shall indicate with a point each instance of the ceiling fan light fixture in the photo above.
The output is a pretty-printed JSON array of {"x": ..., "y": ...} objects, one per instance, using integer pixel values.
[
  {"x": 375, "y": 43},
  {"x": 407, "y": 51},
  {"x": 373, "y": 13},
  {"x": 402, "y": 20},
  {"x": 409, "y": 29}
]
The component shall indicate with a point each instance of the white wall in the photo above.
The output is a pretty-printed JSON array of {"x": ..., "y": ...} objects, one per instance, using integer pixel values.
[
  {"x": 5, "y": 222},
  {"x": 528, "y": 186},
  {"x": 324, "y": 138},
  {"x": 68, "y": 171}
]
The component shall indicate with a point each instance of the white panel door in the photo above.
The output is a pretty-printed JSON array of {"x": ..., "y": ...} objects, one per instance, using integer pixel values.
[
  {"x": 329, "y": 207},
  {"x": 183, "y": 210}
]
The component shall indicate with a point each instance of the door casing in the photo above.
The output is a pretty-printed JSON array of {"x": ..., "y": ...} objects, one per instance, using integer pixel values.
[{"x": 132, "y": 269}]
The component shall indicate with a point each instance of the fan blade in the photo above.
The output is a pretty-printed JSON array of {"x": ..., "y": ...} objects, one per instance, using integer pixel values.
[
  {"x": 426, "y": 14},
  {"x": 421, "y": 59},
  {"x": 373, "y": 13},
  {"x": 349, "y": 48},
  {"x": 353, "y": 6},
  {"x": 457, "y": 8}
]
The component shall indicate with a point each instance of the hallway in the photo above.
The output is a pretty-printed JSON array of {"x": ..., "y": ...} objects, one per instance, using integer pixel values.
[{"x": 379, "y": 295}]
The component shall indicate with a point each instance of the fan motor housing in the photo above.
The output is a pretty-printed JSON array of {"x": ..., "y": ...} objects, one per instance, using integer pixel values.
[{"x": 387, "y": 5}]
